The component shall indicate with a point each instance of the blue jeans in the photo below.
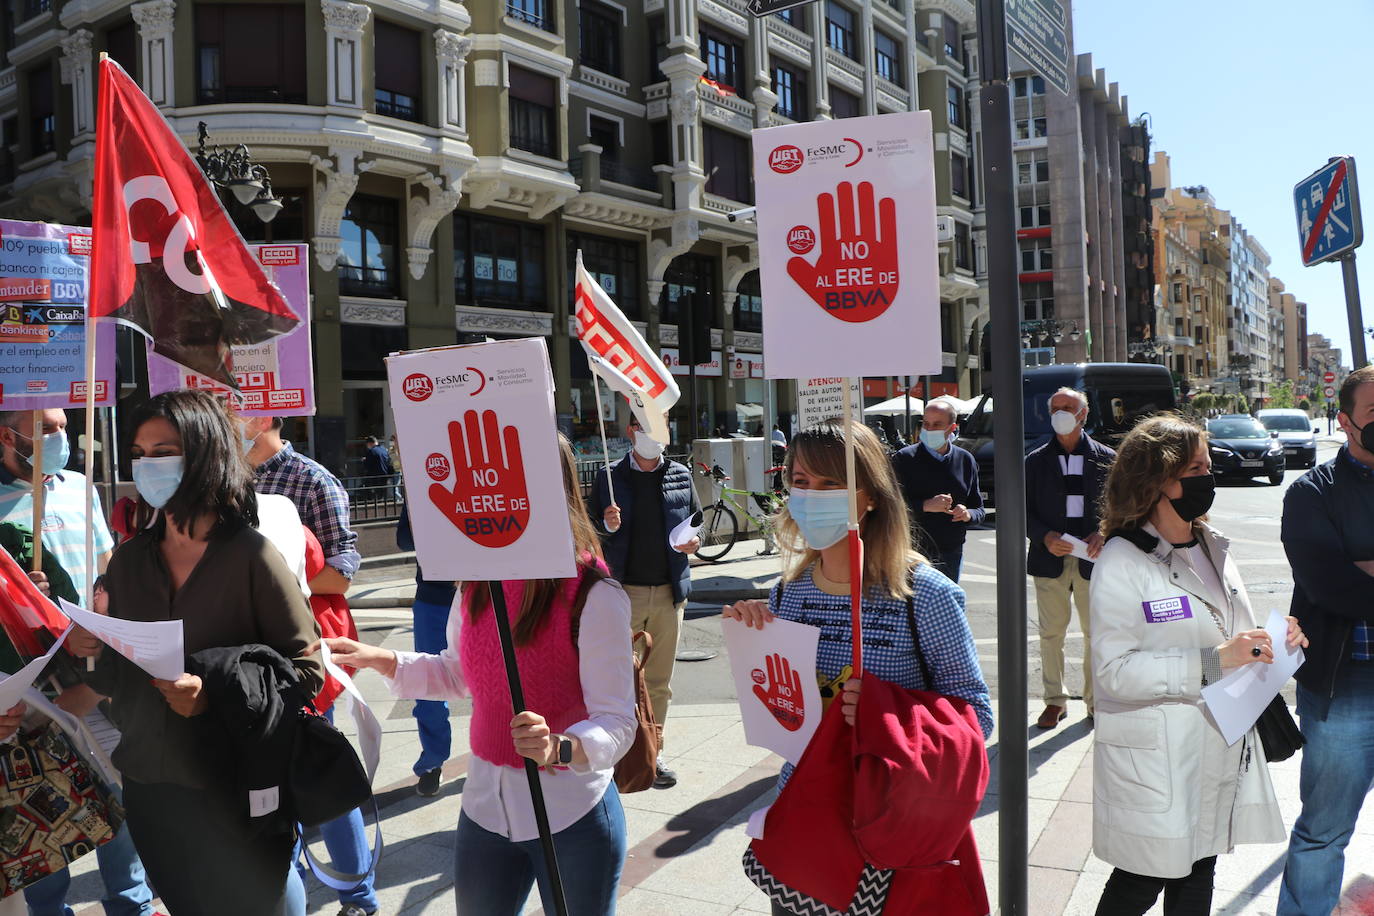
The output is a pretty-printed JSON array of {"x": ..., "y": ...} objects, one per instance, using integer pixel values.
[
  {"x": 346, "y": 840},
  {"x": 492, "y": 876},
  {"x": 949, "y": 560},
  {"x": 431, "y": 635},
  {"x": 126, "y": 889},
  {"x": 1337, "y": 772}
]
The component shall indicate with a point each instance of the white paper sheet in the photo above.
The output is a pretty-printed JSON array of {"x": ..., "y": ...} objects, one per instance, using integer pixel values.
[
  {"x": 13, "y": 686},
  {"x": 684, "y": 532},
  {"x": 775, "y": 680},
  {"x": 1080, "y": 547},
  {"x": 369, "y": 729},
  {"x": 758, "y": 820},
  {"x": 1237, "y": 700},
  {"x": 156, "y": 646}
]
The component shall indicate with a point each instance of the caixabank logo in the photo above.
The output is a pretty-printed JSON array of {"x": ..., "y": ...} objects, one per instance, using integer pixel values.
[{"x": 419, "y": 386}]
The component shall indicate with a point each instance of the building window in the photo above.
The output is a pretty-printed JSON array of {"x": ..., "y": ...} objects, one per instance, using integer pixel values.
[
  {"x": 533, "y": 107},
  {"x": 658, "y": 47},
  {"x": 287, "y": 226},
  {"x": 1041, "y": 127},
  {"x": 1033, "y": 217},
  {"x": 599, "y": 37},
  {"x": 250, "y": 52},
  {"x": 689, "y": 275},
  {"x": 726, "y": 159},
  {"x": 1037, "y": 301},
  {"x": 722, "y": 58},
  {"x": 535, "y": 12},
  {"x": 605, "y": 134},
  {"x": 367, "y": 265},
  {"x": 958, "y": 175},
  {"x": 121, "y": 43},
  {"x": 839, "y": 29},
  {"x": 749, "y": 304},
  {"x": 1036, "y": 255},
  {"x": 953, "y": 45},
  {"x": 42, "y": 115},
  {"x": 887, "y": 58},
  {"x": 843, "y": 104},
  {"x": 498, "y": 263},
  {"x": 795, "y": 17},
  {"x": 612, "y": 263},
  {"x": 397, "y": 64},
  {"x": 954, "y": 102},
  {"x": 790, "y": 88},
  {"x": 963, "y": 246}
]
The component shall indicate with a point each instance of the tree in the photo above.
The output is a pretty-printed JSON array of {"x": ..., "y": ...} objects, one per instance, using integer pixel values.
[{"x": 1282, "y": 396}]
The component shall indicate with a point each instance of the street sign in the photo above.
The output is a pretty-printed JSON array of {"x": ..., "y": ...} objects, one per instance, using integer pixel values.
[
  {"x": 1327, "y": 204},
  {"x": 1329, "y": 392},
  {"x": 764, "y": 7},
  {"x": 1036, "y": 31},
  {"x": 1328, "y": 377}
]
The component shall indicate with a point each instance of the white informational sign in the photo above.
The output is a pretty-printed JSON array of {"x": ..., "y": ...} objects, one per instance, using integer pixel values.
[
  {"x": 156, "y": 646},
  {"x": 822, "y": 398},
  {"x": 775, "y": 680},
  {"x": 1237, "y": 700},
  {"x": 14, "y": 686},
  {"x": 672, "y": 358},
  {"x": 847, "y": 251},
  {"x": 476, "y": 423}
]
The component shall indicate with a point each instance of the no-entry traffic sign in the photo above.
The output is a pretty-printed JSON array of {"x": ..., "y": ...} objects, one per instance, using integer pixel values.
[{"x": 1328, "y": 377}]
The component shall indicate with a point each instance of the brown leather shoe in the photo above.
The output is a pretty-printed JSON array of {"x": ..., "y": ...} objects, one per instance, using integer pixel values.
[{"x": 1051, "y": 717}]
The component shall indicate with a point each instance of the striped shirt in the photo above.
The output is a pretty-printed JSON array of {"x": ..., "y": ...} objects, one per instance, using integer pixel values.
[
  {"x": 65, "y": 517},
  {"x": 321, "y": 501},
  {"x": 889, "y": 651}
]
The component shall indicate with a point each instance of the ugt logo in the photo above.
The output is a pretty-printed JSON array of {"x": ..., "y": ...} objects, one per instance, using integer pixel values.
[
  {"x": 786, "y": 159},
  {"x": 417, "y": 386}
]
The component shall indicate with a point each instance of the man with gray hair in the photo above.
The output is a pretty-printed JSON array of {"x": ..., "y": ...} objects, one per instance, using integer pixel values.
[
  {"x": 939, "y": 481},
  {"x": 1065, "y": 478}
]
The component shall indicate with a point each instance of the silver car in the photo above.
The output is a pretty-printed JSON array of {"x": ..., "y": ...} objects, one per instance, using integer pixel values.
[{"x": 1296, "y": 432}]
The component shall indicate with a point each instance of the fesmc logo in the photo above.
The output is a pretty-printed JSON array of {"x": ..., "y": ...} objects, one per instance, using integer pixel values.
[
  {"x": 786, "y": 159},
  {"x": 418, "y": 386}
]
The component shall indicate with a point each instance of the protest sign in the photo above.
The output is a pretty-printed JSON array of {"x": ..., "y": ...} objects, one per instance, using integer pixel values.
[
  {"x": 156, "y": 646},
  {"x": 823, "y": 398},
  {"x": 43, "y": 271},
  {"x": 477, "y": 422},
  {"x": 275, "y": 377},
  {"x": 847, "y": 247},
  {"x": 775, "y": 680}
]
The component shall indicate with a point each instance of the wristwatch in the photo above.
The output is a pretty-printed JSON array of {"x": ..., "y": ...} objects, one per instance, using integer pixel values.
[{"x": 565, "y": 751}]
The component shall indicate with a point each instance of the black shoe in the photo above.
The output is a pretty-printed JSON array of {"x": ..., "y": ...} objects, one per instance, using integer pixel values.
[
  {"x": 664, "y": 778},
  {"x": 428, "y": 787}
]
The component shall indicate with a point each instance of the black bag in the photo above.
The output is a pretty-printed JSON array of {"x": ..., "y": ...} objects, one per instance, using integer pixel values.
[
  {"x": 327, "y": 780},
  {"x": 1278, "y": 732}
]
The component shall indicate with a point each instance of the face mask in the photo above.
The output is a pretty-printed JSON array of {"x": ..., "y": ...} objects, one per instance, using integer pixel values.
[
  {"x": 646, "y": 446},
  {"x": 1198, "y": 493},
  {"x": 1366, "y": 435},
  {"x": 1063, "y": 422},
  {"x": 157, "y": 479},
  {"x": 822, "y": 515},
  {"x": 934, "y": 439},
  {"x": 248, "y": 442},
  {"x": 55, "y": 451}
]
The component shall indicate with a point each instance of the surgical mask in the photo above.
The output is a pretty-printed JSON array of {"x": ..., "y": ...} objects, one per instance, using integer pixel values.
[
  {"x": 1197, "y": 496},
  {"x": 55, "y": 450},
  {"x": 822, "y": 515},
  {"x": 646, "y": 446},
  {"x": 248, "y": 442},
  {"x": 157, "y": 479},
  {"x": 1063, "y": 422},
  {"x": 934, "y": 439}
]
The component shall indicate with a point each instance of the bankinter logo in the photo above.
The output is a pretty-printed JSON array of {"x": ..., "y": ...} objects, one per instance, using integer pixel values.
[
  {"x": 786, "y": 159},
  {"x": 417, "y": 387}
]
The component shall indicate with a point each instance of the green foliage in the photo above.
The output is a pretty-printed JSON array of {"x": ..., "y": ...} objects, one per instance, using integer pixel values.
[
  {"x": 1283, "y": 395},
  {"x": 1305, "y": 404},
  {"x": 1203, "y": 402}
]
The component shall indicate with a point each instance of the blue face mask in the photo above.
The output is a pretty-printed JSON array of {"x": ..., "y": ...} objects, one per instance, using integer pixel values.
[
  {"x": 54, "y": 451},
  {"x": 934, "y": 439},
  {"x": 157, "y": 479},
  {"x": 822, "y": 515}
]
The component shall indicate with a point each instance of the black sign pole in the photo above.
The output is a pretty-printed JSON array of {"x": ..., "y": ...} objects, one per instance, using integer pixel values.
[
  {"x": 1013, "y": 768},
  {"x": 1358, "y": 355}
]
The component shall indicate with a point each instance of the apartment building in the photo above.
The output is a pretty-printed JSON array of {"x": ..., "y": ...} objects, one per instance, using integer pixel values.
[{"x": 1247, "y": 313}]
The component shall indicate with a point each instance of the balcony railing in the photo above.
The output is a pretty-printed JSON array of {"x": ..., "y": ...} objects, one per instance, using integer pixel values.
[
  {"x": 533, "y": 12},
  {"x": 618, "y": 172}
]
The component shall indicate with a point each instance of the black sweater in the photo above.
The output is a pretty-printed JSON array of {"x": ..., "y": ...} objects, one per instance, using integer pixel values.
[{"x": 922, "y": 475}]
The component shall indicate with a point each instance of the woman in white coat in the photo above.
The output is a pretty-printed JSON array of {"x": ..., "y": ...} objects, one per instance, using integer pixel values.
[{"x": 1170, "y": 614}]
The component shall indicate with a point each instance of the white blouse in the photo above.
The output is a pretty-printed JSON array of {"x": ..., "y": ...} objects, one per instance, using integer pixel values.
[{"x": 497, "y": 798}]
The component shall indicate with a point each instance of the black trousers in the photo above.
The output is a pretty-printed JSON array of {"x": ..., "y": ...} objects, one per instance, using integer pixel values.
[
  {"x": 1129, "y": 894},
  {"x": 201, "y": 854}
]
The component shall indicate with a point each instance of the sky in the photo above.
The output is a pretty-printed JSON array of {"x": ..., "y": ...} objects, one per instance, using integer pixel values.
[{"x": 1248, "y": 97}]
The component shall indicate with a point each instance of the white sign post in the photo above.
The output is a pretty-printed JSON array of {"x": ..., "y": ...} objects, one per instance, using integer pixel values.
[
  {"x": 823, "y": 398},
  {"x": 847, "y": 250}
]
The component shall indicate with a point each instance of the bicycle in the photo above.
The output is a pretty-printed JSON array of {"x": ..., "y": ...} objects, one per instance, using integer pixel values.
[{"x": 719, "y": 524}]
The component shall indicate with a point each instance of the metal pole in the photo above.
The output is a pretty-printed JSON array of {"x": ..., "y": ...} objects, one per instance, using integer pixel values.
[
  {"x": 1358, "y": 356},
  {"x": 1013, "y": 768},
  {"x": 906, "y": 396}
]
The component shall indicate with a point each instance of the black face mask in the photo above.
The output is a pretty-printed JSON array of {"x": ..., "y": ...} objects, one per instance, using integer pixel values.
[
  {"x": 1366, "y": 435},
  {"x": 1198, "y": 493}
]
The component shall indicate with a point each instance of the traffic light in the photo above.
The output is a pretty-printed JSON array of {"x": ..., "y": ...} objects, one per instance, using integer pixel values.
[{"x": 694, "y": 329}]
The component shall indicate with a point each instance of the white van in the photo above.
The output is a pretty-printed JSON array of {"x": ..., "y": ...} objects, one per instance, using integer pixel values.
[{"x": 1296, "y": 432}]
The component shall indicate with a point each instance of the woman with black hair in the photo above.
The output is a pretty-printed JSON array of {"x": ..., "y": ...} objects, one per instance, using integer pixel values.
[{"x": 199, "y": 561}]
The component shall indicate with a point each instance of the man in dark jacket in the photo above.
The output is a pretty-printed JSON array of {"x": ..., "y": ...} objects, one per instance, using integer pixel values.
[
  {"x": 939, "y": 481},
  {"x": 1328, "y": 534},
  {"x": 652, "y": 496},
  {"x": 1065, "y": 478}
]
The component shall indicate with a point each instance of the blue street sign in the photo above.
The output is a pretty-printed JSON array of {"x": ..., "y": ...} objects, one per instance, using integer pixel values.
[{"x": 1327, "y": 204}]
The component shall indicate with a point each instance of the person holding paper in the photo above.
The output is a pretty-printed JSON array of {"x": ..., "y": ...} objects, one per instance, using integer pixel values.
[
  {"x": 1064, "y": 481},
  {"x": 1169, "y": 616},
  {"x": 1328, "y": 534},
  {"x": 940, "y": 483},
  {"x": 200, "y": 562},
  {"x": 572, "y": 645}
]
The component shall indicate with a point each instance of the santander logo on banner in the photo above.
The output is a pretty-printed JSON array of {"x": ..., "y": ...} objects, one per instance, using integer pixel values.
[{"x": 786, "y": 159}]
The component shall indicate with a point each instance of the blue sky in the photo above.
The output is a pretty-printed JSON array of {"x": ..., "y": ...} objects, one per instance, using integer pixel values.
[{"x": 1248, "y": 98}]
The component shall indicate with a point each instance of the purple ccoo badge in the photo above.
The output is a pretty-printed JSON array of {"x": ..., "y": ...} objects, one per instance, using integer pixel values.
[{"x": 1167, "y": 609}]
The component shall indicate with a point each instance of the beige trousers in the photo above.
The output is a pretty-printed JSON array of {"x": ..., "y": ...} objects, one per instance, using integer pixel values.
[
  {"x": 652, "y": 609},
  {"x": 1052, "y": 601}
]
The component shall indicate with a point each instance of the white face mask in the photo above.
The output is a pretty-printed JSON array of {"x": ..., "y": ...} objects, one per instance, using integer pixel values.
[
  {"x": 1063, "y": 422},
  {"x": 646, "y": 446}
]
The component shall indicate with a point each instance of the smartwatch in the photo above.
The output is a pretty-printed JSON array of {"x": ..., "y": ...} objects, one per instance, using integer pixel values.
[{"x": 565, "y": 750}]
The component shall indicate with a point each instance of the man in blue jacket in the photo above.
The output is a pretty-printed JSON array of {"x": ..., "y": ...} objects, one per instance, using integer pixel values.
[
  {"x": 1065, "y": 478},
  {"x": 940, "y": 483},
  {"x": 652, "y": 497},
  {"x": 1328, "y": 534}
]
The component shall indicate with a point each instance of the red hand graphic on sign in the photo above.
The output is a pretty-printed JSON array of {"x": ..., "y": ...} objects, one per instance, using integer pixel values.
[
  {"x": 783, "y": 693},
  {"x": 856, "y": 276},
  {"x": 489, "y": 501}
]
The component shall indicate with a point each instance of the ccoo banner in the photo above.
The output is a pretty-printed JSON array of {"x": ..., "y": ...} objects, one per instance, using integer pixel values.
[
  {"x": 479, "y": 451},
  {"x": 847, "y": 248}
]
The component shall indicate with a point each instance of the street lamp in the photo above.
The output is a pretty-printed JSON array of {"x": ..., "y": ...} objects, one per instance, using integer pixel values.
[
  {"x": 232, "y": 169},
  {"x": 1048, "y": 329}
]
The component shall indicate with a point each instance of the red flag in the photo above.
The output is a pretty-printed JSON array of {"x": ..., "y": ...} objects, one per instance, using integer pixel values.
[
  {"x": 25, "y": 613},
  {"x": 167, "y": 259}
]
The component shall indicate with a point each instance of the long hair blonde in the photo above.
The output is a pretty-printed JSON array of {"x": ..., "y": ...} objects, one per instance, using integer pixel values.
[
  {"x": 1153, "y": 453},
  {"x": 539, "y": 594},
  {"x": 888, "y": 554}
]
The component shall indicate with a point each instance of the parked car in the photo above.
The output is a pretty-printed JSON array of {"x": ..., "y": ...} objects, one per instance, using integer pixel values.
[
  {"x": 1296, "y": 432},
  {"x": 1119, "y": 396},
  {"x": 1242, "y": 447}
]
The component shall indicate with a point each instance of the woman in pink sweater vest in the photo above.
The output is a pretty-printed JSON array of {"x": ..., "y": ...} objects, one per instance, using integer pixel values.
[{"x": 572, "y": 644}]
